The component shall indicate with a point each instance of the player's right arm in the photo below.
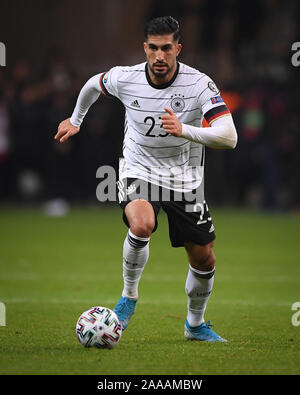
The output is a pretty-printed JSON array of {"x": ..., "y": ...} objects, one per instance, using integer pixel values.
[{"x": 89, "y": 93}]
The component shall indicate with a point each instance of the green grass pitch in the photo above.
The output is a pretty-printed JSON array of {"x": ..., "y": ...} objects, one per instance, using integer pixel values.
[{"x": 53, "y": 269}]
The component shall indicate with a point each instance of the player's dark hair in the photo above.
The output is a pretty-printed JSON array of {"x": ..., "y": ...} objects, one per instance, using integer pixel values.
[{"x": 162, "y": 25}]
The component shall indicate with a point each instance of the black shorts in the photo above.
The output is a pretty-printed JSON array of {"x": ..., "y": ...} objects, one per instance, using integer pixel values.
[{"x": 189, "y": 220}]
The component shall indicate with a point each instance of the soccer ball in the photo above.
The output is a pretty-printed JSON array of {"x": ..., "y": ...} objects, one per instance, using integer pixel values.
[{"x": 99, "y": 327}]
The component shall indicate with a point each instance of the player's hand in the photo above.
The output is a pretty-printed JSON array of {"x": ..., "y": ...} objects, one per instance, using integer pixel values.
[
  {"x": 65, "y": 130},
  {"x": 171, "y": 123}
]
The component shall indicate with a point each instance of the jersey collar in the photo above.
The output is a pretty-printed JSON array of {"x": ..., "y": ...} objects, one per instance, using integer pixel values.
[{"x": 163, "y": 86}]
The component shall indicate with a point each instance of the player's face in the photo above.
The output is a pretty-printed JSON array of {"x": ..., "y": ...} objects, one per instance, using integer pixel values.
[{"x": 161, "y": 52}]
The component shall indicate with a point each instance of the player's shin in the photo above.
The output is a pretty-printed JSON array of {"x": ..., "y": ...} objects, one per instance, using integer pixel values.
[
  {"x": 135, "y": 257},
  {"x": 198, "y": 288}
]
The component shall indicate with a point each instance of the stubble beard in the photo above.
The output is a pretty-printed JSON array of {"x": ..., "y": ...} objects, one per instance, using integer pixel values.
[{"x": 160, "y": 75}]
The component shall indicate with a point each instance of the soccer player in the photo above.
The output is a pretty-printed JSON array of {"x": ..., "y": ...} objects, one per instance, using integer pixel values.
[{"x": 163, "y": 165}]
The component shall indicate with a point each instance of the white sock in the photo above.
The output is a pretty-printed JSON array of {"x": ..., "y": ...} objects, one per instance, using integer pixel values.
[
  {"x": 135, "y": 257},
  {"x": 198, "y": 288}
]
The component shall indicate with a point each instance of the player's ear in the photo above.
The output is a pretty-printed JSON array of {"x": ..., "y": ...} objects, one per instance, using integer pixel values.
[
  {"x": 145, "y": 46},
  {"x": 179, "y": 48}
]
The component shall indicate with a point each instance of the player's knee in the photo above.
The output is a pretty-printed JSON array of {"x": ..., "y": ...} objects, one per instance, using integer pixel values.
[
  {"x": 211, "y": 261},
  {"x": 142, "y": 228},
  {"x": 203, "y": 259},
  {"x": 141, "y": 218}
]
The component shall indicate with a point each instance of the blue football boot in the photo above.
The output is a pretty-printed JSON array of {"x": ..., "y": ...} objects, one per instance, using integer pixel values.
[
  {"x": 124, "y": 309},
  {"x": 201, "y": 332}
]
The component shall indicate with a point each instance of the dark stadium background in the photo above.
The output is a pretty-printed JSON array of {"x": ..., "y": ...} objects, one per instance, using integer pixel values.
[{"x": 54, "y": 47}]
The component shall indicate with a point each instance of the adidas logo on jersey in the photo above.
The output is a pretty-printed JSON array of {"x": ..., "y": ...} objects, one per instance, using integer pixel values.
[{"x": 136, "y": 104}]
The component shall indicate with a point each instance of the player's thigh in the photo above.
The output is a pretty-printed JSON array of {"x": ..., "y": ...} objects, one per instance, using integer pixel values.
[
  {"x": 139, "y": 211},
  {"x": 141, "y": 217}
]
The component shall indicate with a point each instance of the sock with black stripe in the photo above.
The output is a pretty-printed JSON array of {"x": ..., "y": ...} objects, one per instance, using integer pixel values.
[
  {"x": 135, "y": 257},
  {"x": 198, "y": 288}
]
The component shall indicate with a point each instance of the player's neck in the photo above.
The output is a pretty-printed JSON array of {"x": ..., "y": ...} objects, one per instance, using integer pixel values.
[{"x": 162, "y": 82}]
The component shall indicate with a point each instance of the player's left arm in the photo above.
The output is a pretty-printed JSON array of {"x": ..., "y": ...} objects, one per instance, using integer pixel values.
[{"x": 220, "y": 134}]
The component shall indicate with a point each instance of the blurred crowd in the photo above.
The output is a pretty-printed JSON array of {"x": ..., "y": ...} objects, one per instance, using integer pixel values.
[
  {"x": 245, "y": 47},
  {"x": 33, "y": 166}
]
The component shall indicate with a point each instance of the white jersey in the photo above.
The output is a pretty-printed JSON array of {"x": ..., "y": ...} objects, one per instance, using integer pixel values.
[{"x": 149, "y": 152}]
